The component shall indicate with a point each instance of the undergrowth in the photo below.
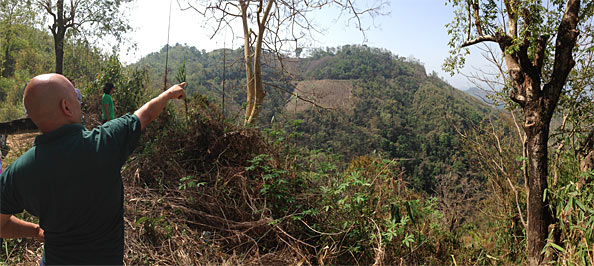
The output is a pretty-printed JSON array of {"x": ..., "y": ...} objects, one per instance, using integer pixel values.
[{"x": 201, "y": 190}]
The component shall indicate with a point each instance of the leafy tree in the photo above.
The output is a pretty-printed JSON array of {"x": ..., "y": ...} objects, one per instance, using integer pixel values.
[
  {"x": 84, "y": 62},
  {"x": 13, "y": 14},
  {"x": 537, "y": 40},
  {"x": 89, "y": 18}
]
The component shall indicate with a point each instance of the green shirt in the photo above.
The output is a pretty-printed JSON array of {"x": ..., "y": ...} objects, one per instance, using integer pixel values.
[
  {"x": 109, "y": 101},
  {"x": 71, "y": 180}
]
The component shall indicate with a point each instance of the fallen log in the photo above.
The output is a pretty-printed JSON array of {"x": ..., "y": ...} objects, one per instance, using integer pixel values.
[{"x": 19, "y": 126}]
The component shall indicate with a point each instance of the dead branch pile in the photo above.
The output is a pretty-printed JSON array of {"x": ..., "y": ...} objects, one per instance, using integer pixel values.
[{"x": 190, "y": 201}]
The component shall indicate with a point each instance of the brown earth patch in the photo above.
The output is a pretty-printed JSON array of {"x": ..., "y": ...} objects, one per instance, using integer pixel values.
[{"x": 331, "y": 94}]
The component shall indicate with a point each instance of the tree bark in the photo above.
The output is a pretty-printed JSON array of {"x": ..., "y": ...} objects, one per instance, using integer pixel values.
[
  {"x": 9, "y": 61},
  {"x": 258, "y": 85},
  {"x": 538, "y": 109},
  {"x": 58, "y": 31},
  {"x": 249, "y": 74},
  {"x": 59, "y": 51},
  {"x": 539, "y": 214}
]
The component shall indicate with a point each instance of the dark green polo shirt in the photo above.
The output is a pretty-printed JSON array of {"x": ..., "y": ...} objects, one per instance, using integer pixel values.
[{"x": 71, "y": 180}]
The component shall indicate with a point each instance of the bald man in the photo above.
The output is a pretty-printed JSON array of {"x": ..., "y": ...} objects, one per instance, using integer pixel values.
[{"x": 71, "y": 179}]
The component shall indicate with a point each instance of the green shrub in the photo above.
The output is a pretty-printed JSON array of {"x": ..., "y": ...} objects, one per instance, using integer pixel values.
[
  {"x": 572, "y": 201},
  {"x": 366, "y": 215}
]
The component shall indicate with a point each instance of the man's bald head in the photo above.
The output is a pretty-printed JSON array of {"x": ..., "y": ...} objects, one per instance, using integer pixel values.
[{"x": 51, "y": 102}]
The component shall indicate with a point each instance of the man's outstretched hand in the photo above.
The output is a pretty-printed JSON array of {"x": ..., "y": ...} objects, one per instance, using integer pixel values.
[
  {"x": 177, "y": 91},
  {"x": 149, "y": 111}
]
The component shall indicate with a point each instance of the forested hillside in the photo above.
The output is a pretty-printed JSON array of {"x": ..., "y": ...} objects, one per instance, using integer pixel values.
[{"x": 394, "y": 108}]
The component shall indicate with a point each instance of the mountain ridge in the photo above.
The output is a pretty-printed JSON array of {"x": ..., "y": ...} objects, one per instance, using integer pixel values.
[{"x": 353, "y": 100}]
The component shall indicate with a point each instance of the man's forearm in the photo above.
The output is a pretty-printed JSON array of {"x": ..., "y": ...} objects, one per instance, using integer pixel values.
[
  {"x": 151, "y": 110},
  {"x": 17, "y": 228}
]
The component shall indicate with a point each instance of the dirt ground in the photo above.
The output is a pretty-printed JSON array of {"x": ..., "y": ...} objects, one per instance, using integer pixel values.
[{"x": 18, "y": 144}]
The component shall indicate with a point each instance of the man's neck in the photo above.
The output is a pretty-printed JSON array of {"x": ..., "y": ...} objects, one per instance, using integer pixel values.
[{"x": 51, "y": 127}]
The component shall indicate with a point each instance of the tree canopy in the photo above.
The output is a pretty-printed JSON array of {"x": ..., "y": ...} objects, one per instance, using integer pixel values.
[{"x": 90, "y": 20}]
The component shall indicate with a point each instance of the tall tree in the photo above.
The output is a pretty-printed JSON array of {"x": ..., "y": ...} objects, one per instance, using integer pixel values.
[
  {"x": 13, "y": 13},
  {"x": 537, "y": 40},
  {"x": 269, "y": 27},
  {"x": 90, "y": 18}
]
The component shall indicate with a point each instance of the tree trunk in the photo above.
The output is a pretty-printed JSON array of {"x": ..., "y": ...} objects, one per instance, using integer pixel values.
[
  {"x": 59, "y": 30},
  {"x": 8, "y": 67},
  {"x": 249, "y": 74},
  {"x": 9, "y": 62},
  {"x": 258, "y": 90},
  {"x": 255, "y": 86},
  {"x": 59, "y": 49},
  {"x": 538, "y": 105},
  {"x": 539, "y": 214},
  {"x": 258, "y": 85}
]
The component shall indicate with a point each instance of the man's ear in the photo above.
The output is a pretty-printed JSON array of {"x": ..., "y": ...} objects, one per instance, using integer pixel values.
[{"x": 66, "y": 108}]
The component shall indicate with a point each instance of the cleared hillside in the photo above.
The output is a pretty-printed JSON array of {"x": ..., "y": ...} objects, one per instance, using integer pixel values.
[{"x": 328, "y": 94}]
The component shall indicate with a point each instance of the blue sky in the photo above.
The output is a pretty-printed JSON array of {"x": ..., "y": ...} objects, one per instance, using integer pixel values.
[{"x": 413, "y": 28}]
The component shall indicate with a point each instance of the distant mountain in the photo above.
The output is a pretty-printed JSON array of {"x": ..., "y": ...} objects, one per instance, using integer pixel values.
[
  {"x": 380, "y": 102},
  {"x": 484, "y": 96},
  {"x": 352, "y": 100}
]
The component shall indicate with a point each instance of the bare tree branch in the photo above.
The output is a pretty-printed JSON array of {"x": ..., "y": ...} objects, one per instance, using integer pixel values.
[{"x": 480, "y": 39}]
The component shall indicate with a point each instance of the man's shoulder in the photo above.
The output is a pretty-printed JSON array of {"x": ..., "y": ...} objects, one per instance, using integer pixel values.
[
  {"x": 24, "y": 161},
  {"x": 121, "y": 135},
  {"x": 125, "y": 119}
]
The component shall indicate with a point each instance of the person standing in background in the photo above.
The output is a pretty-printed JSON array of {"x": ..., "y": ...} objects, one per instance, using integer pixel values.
[
  {"x": 78, "y": 94},
  {"x": 79, "y": 97},
  {"x": 107, "y": 106}
]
